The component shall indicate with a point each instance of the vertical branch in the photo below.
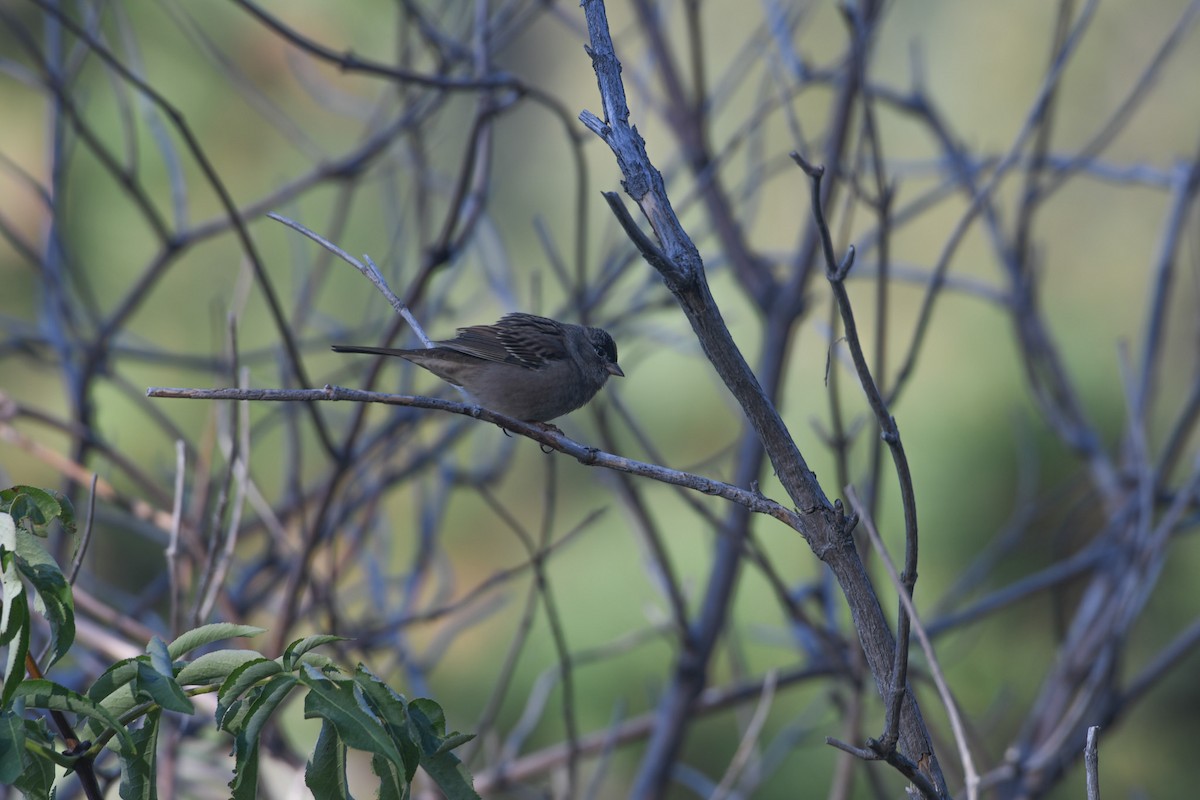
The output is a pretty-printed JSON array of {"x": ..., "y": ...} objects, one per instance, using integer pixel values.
[
  {"x": 1091, "y": 764},
  {"x": 676, "y": 259},
  {"x": 890, "y": 432}
]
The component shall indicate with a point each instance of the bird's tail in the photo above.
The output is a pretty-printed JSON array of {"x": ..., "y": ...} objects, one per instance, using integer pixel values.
[{"x": 373, "y": 351}]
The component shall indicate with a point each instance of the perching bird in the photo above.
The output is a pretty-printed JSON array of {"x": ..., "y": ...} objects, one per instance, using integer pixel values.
[{"x": 529, "y": 367}]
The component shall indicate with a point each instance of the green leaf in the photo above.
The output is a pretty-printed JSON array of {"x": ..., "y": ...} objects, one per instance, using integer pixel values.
[
  {"x": 454, "y": 740},
  {"x": 42, "y": 693},
  {"x": 339, "y": 703},
  {"x": 448, "y": 773},
  {"x": 429, "y": 722},
  {"x": 152, "y": 685},
  {"x": 244, "y": 785},
  {"x": 66, "y": 513},
  {"x": 207, "y": 634},
  {"x": 39, "y": 773},
  {"x": 113, "y": 678},
  {"x": 239, "y": 681},
  {"x": 53, "y": 600},
  {"x": 138, "y": 772},
  {"x": 325, "y": 775},
  {"x": 8, "y": 532},
  {"x": 12, "y": 618},
  {"x": 301, "y": 646},
  {"x": 14, "y": 628},
  {"x": 392, "y": 711},
  {"x": 113, "y": 691},
  {"x": 215, "y": 667},
  {"x": 156, "y": 679},
  {"x": 319, "y": 661},
  {"x": 33, "y": 508},
  {"x": 245, "y": 742},
  {"x": 12, "y": 747},
  {"x": 160, "y": 659},
  {"x": 392, "y": 785}
]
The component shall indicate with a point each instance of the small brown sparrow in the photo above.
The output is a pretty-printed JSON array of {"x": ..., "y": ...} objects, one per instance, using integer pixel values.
[{"x": 528, "y": 367}]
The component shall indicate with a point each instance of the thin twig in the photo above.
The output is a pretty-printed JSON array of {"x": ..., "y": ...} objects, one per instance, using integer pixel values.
[
  {"x": 368, "y": 269},
  {"x": 590, "y": 456},
  {"x": 749, "y": 738},
  {"x": 889, "y": 432},
  {"x": 172, "y": 551},
  {"x": 85, "y": 538},
  {"x": 935, "y": 669}
]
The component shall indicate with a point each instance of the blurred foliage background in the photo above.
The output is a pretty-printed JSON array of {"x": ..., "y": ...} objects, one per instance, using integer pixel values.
[{"x": 276, "y": 125}]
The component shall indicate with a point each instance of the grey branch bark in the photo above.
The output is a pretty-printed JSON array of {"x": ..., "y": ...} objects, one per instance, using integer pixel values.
[{"x": 825, "y": 525}]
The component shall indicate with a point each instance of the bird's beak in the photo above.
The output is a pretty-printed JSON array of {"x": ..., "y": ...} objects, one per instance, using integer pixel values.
[{"x": 613, "y": 369}]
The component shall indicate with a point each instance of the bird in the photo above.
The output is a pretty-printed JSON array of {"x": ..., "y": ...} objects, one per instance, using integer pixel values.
[{"x": 524, "y": 366}]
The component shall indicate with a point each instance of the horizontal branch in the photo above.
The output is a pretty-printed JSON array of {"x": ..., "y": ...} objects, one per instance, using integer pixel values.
[{"x": 548, "y": 437}]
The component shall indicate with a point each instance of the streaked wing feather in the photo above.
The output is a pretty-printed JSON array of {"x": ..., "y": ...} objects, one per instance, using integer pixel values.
[
  {"x": 522, "y": 339},
  {"x": 480, "y": 341},
  {"x": 532, "y": 340}
]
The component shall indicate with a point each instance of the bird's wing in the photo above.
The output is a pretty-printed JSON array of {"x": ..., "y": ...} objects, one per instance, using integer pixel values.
[
  {"x": 520, "y": 339},
  {"x": 534, "y": 341},
  {"x": 480, "y": 341}
]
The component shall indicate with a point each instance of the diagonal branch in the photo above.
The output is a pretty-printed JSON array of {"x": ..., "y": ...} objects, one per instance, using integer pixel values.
[
  {"x": 826, "y": 527},
  {"x": 589, "y": 456}
]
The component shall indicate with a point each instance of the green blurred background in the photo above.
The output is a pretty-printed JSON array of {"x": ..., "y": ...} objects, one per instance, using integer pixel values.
[{"x": 975, "y": 440}]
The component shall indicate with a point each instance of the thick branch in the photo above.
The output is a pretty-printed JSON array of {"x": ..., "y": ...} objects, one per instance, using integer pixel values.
[{"x": 679, "y": 263}]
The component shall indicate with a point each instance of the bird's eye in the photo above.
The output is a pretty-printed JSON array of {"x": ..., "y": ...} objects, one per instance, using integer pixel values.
[{"x": 607, "y": 351}]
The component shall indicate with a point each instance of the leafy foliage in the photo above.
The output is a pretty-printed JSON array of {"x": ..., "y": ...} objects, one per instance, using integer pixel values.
[
  {"x": 26, "y": 515},
  {"x": 122, "y": 710}
]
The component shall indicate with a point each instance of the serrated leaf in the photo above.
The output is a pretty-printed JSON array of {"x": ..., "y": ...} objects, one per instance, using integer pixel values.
[
  {"x": 41, "y": 693},
  {"x": 339, "y": 703},
  {"x": 207, "y": 634},
  {"x": 239, "y": 681},
  {"x": 366, "y": 678},
  {"x": 429, "y": 723},
  {"x": 263, "y": 702},
  {"x": 391, "y": 708},
  {"x": 31, "y": 508},
  {"x": 234, "y": 717},
  {"x": 325, "y": 775},
  {"x": 152, "y": 685},
  {"x": 392, "y": 785},
  {"x": 66, "y": 512},
  {"x": 320, "y": 661},
  {"x": 301, "y": 646},
  {"x": 215, "y": 667},
  {"x": 34, "y": 508},
  {"x": 245, "y": 742},
  {"x": 244, "y": 785},
  {"x": 53, "y": 598},
  {"x": 454, "y": 740},
  {"x": 139, "y": 772},
  {"x": 433, "y": 714},
  {"x": 448, "y": 773}
]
